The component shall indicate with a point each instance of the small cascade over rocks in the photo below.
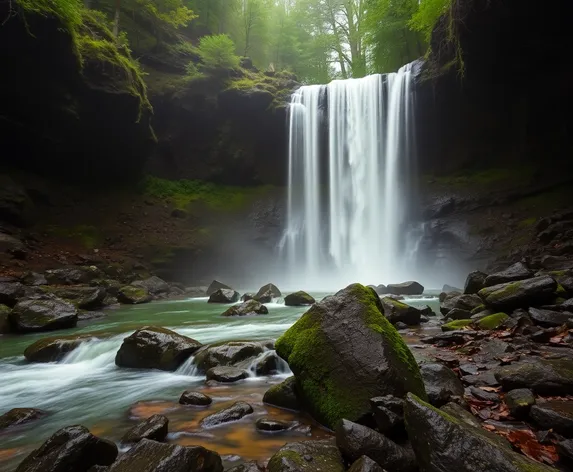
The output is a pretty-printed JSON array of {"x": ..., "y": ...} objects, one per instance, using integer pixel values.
[{"x": 351, "y": 153}]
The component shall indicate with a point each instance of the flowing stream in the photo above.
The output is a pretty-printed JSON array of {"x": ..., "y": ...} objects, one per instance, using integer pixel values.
[
  {"x": 350, "y": 156},
  {"x": 87, "y": 388}
]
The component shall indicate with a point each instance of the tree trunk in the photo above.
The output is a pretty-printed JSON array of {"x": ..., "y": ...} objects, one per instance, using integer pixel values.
[{"x": 116, "y": 19}]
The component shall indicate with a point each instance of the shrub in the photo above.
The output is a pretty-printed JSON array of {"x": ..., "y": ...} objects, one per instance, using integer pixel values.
[{"x": 218, "y": 52}]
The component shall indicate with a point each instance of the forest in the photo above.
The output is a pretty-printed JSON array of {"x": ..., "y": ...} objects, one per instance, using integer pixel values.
[{"x": 317, "y": 40}]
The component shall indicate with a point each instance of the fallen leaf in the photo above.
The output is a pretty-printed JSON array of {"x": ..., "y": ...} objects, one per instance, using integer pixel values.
[
  {"x": 490, "y": 389},
  {"x": 489, "y": 427},
  {"x": 526, "y": 441}
]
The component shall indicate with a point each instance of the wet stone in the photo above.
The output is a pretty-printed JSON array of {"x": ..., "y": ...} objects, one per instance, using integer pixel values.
[
  {"x": 484, "y": 395},
  {"x": 154, "y": 427},
  {"x": 556, "y": 415},
  {"x": 226, "y": 374},
  {"x": 234, "y": 413},
  {"x": 195, "y": 398},
  {"x": 271, "y": 425},
  {"x": 519, "y": 401}
]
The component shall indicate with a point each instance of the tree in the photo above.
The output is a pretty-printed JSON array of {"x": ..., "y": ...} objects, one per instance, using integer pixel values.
[{"x": 218, "y": 52}]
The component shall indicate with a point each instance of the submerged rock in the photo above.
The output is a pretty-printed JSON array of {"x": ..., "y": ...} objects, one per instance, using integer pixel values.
[
  {"x": 542, "y": 376},
  {"x": 443, "y": 443},
  {"x": 216, "y": 285},
  {"x": 18, "y": 416},
  {"x": 283, "y": 395},
  {"x": 405, "y": 288},
  {"x": 271, "y": 425},
  {"x": 133, "y": 295},
  {"x": 72, "y": 448},
  {"x": 398, "y": 312},
  {"x": 307, "y": 456},
  {"x": 343, "y": 352},
  {"x": 31, "y": 316},
  {"x": 233, "y": 413},
  {"x": 355, "y": 440},
  {"x": 248, "y": 308},
  {"x": 54, "y": 349},
  {"x": 152, "y": 456},
  {"x": 155, "y": 427},
  {"x": 189, "y": 397},
  {"x": 223, "y": 295},
  {"x": 153, "y": 347},
  {"x": 523, "y": 293},
  {"x": 273, "y": 289},
  {"x": 441, "y": 384},
  {"x": 226, "y": 374},
  {"x": 299, "y": 298}
]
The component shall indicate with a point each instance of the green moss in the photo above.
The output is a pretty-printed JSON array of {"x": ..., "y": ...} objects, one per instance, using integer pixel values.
[
  {"x": 181, "y": 193},
  {"x": 560, "y": 292},
  {"x": 493, "y": 297},
  {"x": 478, "y": 309},
  {"x": 455, "y": 325},
  {"x": 492, "y": 321},
  {"x": 88, "y": 236},
  {"x": 528, "y": 222}
]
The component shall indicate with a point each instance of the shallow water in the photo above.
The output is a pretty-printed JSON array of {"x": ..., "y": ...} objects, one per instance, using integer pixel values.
[{"x": 87, "y": 388}]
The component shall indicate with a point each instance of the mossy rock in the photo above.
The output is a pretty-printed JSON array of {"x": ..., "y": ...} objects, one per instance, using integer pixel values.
[
  {"x": 455, "y": 325},
  {"x": 307, "y": 456},
  {"x": 283, "y": 395},
  {"x": 492, "y": 321},
  {"x": 439, "y": 438},
  {"x": 133, "y": 295},
  {"x": 299, "y": 298},
  {"x": 343, "y": 352},
  {"x": 54, "y": 349},
  {"x": 523, "y": 293},
  {"x": 4, "y": 320}
]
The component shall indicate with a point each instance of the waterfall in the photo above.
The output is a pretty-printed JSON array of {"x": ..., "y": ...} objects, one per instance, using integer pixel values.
[{"x": 349, "y": 190}]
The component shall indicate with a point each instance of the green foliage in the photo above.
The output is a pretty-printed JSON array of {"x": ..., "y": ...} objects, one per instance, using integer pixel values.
[
  {"x": 428, "y": 14},
  {"x": 68, "y": 11},
  {"x": 218, "y": 52}
]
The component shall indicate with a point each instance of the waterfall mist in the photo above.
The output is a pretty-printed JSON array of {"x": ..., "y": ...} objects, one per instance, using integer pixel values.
[{"x": 351, "y": 157}]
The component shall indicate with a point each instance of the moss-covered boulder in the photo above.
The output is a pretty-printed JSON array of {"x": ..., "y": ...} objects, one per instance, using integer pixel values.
[
  {"x": 343, "y": 352},
  {"x": 82, "y": 297},
  {"x": 133, "y": 295},
  {"x": 523, "y": 293},
  {"x": 4, "y": 319},
  {"x": 396, "y": 311},
  {"x": 299, "y": 298},
  {"x": 519, "y": 401},
  {"x": 154, "y": 285},
  {"x": 443, "y": 443},
  {"x": 455, "y": 325},
  {"x": 248, "y": 308},
  {"x": 31, "y": 316},
  {"x": 307, "y": 456},
  {"x": 283, "y": 395},
  {"x": 53, "y": 349},
  {"x": 153, "y": 347},
  {"x": 494, "y": 321},
  {"x": 542, "y": 376}
]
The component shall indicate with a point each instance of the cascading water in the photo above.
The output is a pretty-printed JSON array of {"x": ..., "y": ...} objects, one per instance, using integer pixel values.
[{"x": 350, "y": 153}]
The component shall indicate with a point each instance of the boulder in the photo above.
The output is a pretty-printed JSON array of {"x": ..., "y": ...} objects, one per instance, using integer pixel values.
[
  {"x": 234, "y": 353},
  {"x": 299, "y": 298},
  {"x": 343, "y": 351},
  {"x": 82, "y": 297},
  {"x": 131, "y": 295},
  {"x": 31, "y": 316},
  {"x": 233, "y": 413},
  {"x": 565, "y": 451},
  {"x": 152, "y": 456},
  {"x": 226, "y": 374},
  {"x": 34, "y": 279},
  {"x": 154, "y": 285},
  {"x": 396, "y": 311},
  {"x": 474, "y": 282},
  {"x": 273, "y": 289},
  {"x": 554, "y": 414},
  {"x": 461, "y": 302},
  {"x": 53, "y": 349},
  {"x": 443, "y": 443},
  {"x": 11, "y": 292},
  {"x": 549, "y": 318},
  {"x": 18, "y": 416},
  {"x": 155, "y": 427},
  {"x": 5, "y": 319},
  {"x": 283, "y": 395},
  {"x": 542, "y": 376},
  {"x": 224, "y": 295},
  {"x": 265, "y": 297},
  {"x": 461, "y": 414},
  {"x": 248, "y": 308},
  {"x": 268, "y": 364},
  {"x": 153, "y": 347},
  {"x": 270, "y": 425},
  {"x": 483, "y": 395},
  {"x": 494, "y": 321},
  {"x": 389, "y": 415},
  {"x": 441, "y": 384},
  {"x": 523, "y": 293},
  {"x": 456, "y": 325},
  {"x": 355, "y": 440},
  {"x": 365, "y": 464},
  {"x": 307, "y": 456},
  {"x": 405, "y": 288},
  {"x": 247, "y": 296},
  {"x": 518, "y": 271},
  {"x": 189, "y": 397},
  {"x": 72, "y": 448},
  {"x": 458, "y": 314},
  {"x": 73, "y": 275},
  {"x": 448, "y": 289},
  {"x": 381, "y": 289},
  {"x": 216, "y": 285},
  {"x": 451, "y": 338},
  {"x": 519, "y": 401}
]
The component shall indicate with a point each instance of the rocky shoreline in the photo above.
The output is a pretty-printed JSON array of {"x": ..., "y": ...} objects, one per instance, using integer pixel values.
[{"x": 493, "y": 391}]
